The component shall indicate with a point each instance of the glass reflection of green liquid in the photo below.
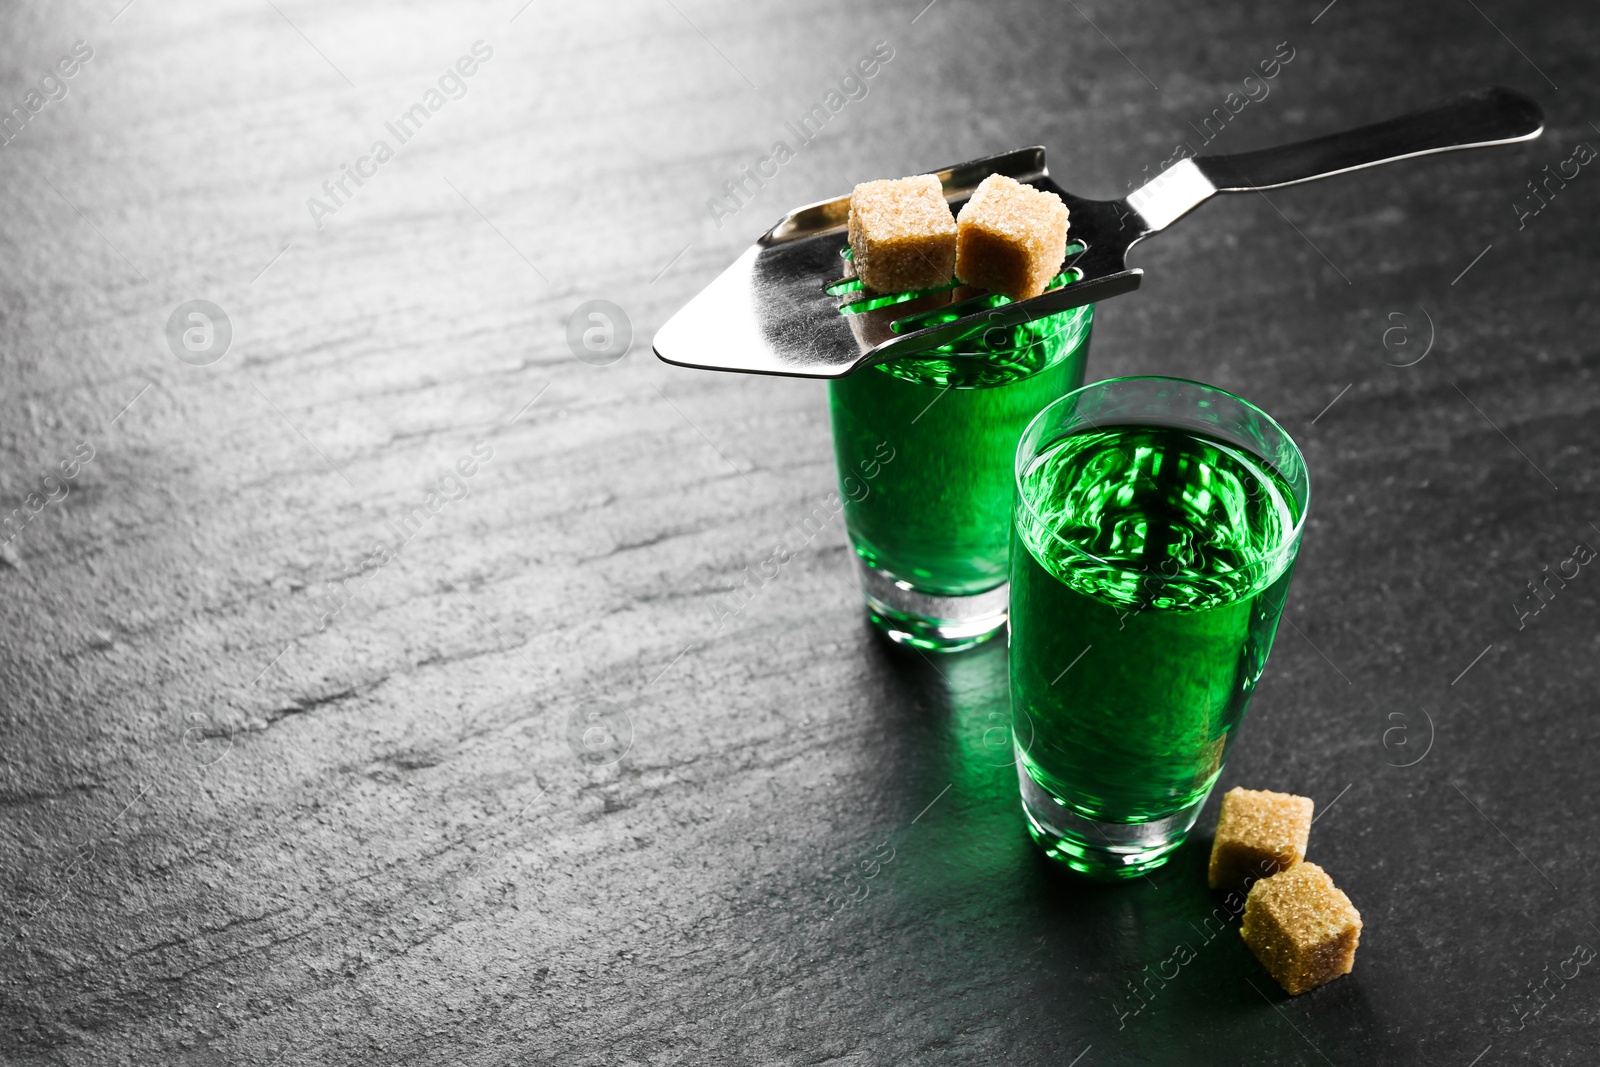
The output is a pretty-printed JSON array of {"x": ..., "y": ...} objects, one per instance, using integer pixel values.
[
  {"x": 1176, "y": 603},
  {"x": 938, "y": 516}
]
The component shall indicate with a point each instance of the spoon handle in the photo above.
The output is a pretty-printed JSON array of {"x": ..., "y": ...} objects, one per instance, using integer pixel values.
[{"x": 1477, "y": 119}]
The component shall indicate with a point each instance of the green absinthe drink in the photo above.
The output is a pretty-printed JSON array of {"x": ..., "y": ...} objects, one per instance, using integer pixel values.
[
  {"x": 1157, "y": 523},
  {"x": 931, "y": 530}
]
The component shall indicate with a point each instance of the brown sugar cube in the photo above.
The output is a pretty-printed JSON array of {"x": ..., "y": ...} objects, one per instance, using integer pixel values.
[
  {"x": 902, "y": 234},
  {"x": 1011, "y": 238},
  {"x": 1301, "y": 927},
  {"x": 1259, "y": 833}
]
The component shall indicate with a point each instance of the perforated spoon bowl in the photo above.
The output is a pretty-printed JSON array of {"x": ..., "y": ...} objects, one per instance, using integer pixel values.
[{"x": 784, "y": 307}]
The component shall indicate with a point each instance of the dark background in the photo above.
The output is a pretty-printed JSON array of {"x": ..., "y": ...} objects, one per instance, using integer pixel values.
[{"x": 259, "y": 808}]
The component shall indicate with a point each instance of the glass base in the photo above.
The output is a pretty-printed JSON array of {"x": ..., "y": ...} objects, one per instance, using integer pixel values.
[
  {"x": 1109, "y": 850},
  {"x": 926, "y": 621}
]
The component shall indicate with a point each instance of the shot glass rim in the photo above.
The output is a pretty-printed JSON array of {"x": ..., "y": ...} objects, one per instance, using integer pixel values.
[
  {"x": 1065, "y": 319},
  {"x": 1017, "y": 466},
  {"x": 1069, "y": 318}
]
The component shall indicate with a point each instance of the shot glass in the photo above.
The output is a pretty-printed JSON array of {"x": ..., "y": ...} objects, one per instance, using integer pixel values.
[
  {"x": 924, "y": 448},
  {"x": 1157, "y": 522}
]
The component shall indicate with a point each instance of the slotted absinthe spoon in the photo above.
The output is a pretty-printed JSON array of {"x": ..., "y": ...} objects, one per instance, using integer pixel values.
[{"x": 789, "y": 305}]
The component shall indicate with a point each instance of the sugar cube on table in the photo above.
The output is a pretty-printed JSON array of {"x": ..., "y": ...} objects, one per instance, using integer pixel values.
[
  {"x": 902, "y": 234},
  {"x": 1011, "y": 238},
  {"x": 1259, "y": 833},
  {"x": 1302, "y": 928}
]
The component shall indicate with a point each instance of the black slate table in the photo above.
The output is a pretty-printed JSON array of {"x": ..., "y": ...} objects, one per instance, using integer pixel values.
[{"x": 366, "y": 694}]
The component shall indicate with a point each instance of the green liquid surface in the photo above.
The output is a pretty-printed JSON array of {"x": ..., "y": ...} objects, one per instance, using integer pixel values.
[
  {"x": 938, "y": 515},
  {"x": 1146, "y": 586}
]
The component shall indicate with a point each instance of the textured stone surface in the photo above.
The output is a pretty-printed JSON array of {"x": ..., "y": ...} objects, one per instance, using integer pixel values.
[{"x": 254, "y": 813}]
